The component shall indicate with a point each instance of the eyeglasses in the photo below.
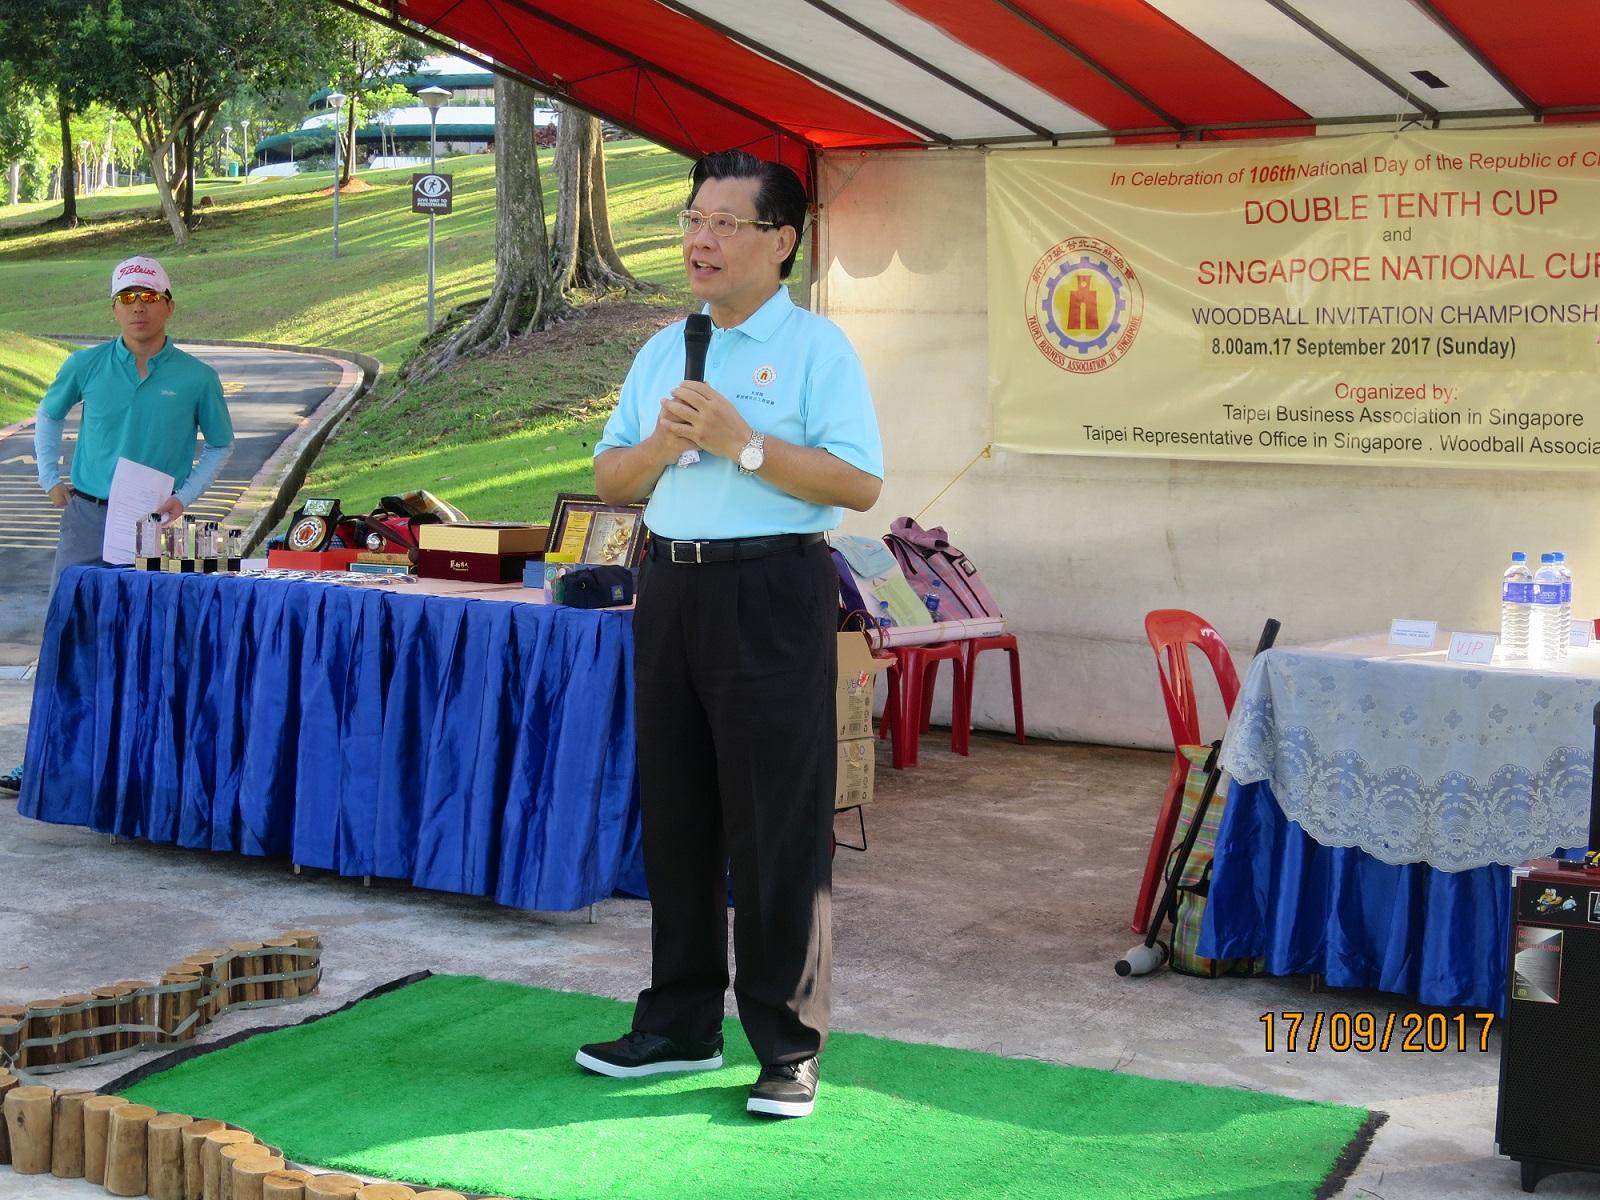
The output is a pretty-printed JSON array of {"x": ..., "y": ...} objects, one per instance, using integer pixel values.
[
  {"x": 140, "y": 297},
  {"x": 724, "y": 225}
]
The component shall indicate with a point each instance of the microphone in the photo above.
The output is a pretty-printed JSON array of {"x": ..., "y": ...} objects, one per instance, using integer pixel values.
[{"x": 696, "y": 341}]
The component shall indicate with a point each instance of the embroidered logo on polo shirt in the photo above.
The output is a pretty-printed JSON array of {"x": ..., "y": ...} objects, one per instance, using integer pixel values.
[{"x": 764, "y": 376}]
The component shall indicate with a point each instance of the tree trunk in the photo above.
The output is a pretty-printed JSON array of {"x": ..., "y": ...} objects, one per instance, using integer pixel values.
[
  {"x": 159, "y": 171},
  {"x": 350, "y": 143},
  {"x": 600, "y": 211},
  {"x": 69, "y": 195},
  {"x": 585, "y": 255},
  {"x": 15, "y": 176},
  {"x": 188, "y": 181},
  {"x": 525, "y": 297}
]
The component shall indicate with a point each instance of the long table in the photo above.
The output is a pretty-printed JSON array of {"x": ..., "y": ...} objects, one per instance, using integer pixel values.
[
  {"x": 1380, "y": 798},
  {"x": 444, "y": 734}
]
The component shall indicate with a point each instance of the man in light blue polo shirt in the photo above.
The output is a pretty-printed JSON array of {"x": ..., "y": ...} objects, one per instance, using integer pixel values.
[
  {"x": 143, "y": 399},
  {"x": 734, "y": 653}
]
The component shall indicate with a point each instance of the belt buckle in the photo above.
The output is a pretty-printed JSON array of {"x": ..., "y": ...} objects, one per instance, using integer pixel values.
[{"x": 674, "y": 552}]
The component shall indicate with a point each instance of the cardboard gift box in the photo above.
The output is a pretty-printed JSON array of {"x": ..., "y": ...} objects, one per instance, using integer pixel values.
[
  {"x": 484, "y": 537},
  {"x": 478, "y": 568}
]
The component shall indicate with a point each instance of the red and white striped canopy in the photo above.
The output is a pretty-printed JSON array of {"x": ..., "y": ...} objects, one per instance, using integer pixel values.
[{"x": 785, "y": 77}]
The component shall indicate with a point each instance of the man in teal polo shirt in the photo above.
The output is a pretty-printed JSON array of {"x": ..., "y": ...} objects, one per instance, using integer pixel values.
[
  {"x": 735, "y": 658},
  {"x": 143, "y": 399}
]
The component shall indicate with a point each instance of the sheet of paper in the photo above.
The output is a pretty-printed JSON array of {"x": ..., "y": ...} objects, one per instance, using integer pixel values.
[
  {"x": 1582, "y": 635},
  {"x": 136, "y": 492},
  {"x": 1418, "y": 634}
]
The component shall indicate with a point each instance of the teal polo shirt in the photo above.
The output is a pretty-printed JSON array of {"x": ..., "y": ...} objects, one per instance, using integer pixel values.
[
  {"x": 792, "y": 375},
  {"x": 151, "y": 420}
]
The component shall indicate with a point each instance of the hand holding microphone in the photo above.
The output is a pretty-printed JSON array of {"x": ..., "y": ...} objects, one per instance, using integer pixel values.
[{"x": 696, "y": 340}]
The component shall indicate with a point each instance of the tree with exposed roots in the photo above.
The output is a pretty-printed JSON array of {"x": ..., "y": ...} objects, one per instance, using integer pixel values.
[
  {"x": 526, "y": 297},
  {"x": 585, "y": 255}
]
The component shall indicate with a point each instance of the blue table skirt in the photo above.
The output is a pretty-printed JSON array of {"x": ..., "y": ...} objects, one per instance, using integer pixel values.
[
  {"x": 468, "y": 746},
  {"x": 1438, "y": 936}
]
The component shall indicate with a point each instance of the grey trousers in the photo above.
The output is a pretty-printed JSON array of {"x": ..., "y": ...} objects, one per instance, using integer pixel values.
[{"x": 83, "y": 534}]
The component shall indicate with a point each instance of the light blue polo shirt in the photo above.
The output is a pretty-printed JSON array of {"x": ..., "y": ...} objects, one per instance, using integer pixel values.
[
  {"x": 151, "y": 420},
  {"x": 792, "y": 375}
]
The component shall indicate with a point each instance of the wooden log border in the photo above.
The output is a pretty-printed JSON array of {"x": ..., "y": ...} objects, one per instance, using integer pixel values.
[{"x": 118, "y": 1021}]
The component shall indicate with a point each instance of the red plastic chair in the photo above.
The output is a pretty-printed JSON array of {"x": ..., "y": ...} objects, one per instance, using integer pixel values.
[
  {"x": 906, "y": 712},
  {"x": 1171, "y": 632},
  {"x": 1008, "y": 643}
]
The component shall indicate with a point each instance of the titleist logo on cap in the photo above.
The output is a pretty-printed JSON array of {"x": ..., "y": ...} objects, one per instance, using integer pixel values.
[{"x": 136, "y": 269}]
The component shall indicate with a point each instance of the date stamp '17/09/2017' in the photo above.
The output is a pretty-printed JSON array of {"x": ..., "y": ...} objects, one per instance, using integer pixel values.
[{"x": 1364, "y": 1032}]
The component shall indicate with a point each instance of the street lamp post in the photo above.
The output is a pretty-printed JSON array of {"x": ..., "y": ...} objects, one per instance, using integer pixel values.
[
  {"x": 246, "y": 151},
  {"x": 434, "y": 97},
  {"x": 336, "y": 102},
  {"x": 227, "y": 147}
]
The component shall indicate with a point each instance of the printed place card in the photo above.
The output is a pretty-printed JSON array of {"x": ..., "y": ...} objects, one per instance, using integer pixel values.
[
  {"x": 1582, "y": 634},
  {"x": 1472, "y": 648},
  {"x": 1417, "y": 635}
]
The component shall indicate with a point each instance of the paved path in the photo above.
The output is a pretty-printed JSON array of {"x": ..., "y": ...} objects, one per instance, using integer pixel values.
[{"x": 268, "y": 393}]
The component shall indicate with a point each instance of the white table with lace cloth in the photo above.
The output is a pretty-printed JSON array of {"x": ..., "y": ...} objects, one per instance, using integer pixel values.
[{"x": 1414, "y": 759}]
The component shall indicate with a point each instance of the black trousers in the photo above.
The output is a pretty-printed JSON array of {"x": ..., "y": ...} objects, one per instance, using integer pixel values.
[{"x": 734, "y": 669}]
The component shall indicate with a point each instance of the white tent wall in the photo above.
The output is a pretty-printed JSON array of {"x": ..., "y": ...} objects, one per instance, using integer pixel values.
[{"x": 1077, "y": 549}]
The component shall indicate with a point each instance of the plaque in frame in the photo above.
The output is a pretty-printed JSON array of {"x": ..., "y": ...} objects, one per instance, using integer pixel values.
[{"x": 592, "y": 531}]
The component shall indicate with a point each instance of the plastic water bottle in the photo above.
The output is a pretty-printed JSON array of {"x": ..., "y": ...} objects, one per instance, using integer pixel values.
[
  {"x": 1566, "y": 602},
  {"x": 1516, "y": 601},
  {"x": 1544, "y": 631},
  {"x": 884, "y": 620},
  {"x": 935, "y": 594}
]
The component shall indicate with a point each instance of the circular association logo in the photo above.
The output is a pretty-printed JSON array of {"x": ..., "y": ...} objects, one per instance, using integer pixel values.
[
  {"x": 1084, "y": 305},
  {"x": 764, "y": 376}
]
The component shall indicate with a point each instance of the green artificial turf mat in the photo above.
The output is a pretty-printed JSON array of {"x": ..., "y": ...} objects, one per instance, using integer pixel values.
[{"x": 469, "y": 1084}]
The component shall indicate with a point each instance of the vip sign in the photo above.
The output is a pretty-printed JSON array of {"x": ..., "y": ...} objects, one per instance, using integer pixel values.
[{"x": 432, "y": 192}]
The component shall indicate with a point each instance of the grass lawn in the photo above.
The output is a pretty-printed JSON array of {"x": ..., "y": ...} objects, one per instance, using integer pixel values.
[
  {"x": 27, "y": 365},
  {"x": 497, "y": 436},
  {"x": 260, "y": 265}
]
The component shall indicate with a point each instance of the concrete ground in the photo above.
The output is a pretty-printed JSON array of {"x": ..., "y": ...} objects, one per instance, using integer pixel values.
[{"x": 986, "y": 914}]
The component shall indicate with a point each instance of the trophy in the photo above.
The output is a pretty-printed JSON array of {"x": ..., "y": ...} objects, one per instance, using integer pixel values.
[{"x": 147, "y": 543}]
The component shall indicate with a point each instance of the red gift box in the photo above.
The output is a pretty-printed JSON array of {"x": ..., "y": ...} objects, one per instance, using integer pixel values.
[
  {"x": 312, "y": 560},
  {"x": 478, "y": 568}
]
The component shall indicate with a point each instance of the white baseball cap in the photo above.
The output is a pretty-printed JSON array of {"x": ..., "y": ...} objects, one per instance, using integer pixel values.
[{"x": 139, "y": 272}]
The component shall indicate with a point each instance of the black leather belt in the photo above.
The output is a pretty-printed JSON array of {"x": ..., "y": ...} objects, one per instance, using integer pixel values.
[
  {"x": 89, "y": 498},
  {"x": 729, "y": 549}
]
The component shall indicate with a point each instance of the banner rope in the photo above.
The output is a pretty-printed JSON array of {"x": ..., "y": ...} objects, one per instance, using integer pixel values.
[{"x": 984, "y": 453}]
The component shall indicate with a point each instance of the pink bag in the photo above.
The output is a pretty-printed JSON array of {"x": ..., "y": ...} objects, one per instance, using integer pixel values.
[{"x": 925, "y": 555}]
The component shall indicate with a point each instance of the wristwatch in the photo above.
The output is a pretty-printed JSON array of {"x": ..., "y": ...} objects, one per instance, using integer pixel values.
[{"x": 753, "y": 454}]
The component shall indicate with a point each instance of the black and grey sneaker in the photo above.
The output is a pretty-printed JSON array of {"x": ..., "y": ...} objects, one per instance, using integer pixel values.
[
  {"x": 638, "y": 1053},
  {"x": 11, "y": 781},
  {"x": 785, "y": 1090}
]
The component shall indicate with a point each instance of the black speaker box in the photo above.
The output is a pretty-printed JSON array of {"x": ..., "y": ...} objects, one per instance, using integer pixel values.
[{"x": 1548, "y": 1120}]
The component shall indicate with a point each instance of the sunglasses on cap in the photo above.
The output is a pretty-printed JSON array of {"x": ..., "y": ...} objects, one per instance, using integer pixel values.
[{"x": 141, "y": 297}]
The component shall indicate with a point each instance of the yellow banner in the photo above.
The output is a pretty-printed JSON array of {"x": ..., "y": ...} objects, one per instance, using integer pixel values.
[{"x": 1418, "y": 299}]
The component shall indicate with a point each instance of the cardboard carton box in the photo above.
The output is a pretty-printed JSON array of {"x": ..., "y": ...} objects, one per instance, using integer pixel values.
[
  {"x": 857, "y": 766},
  {"x": 858, "y": 674}
]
